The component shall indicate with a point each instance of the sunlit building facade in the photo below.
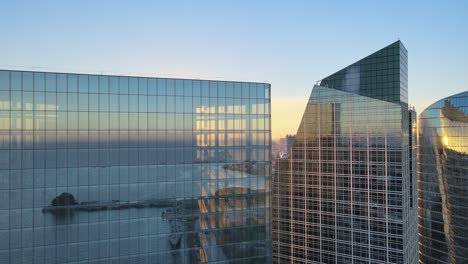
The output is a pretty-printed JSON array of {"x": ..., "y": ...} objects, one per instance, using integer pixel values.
[
  {"x": 346, "y": 193},
  {"x": 443, "y": 181},
  {"x": 117, "y": 169}
]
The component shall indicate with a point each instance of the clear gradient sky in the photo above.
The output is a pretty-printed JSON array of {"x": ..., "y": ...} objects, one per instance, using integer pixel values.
[{"x": 290, "y": 44}]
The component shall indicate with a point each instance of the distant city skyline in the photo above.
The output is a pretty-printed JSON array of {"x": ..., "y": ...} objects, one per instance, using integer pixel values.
[{"x": 290, "y": 45}]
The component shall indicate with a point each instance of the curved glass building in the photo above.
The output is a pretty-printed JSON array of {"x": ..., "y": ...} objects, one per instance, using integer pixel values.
[
  {"x": 122, "y": 169},
  {"x": 443, "y": 181}
]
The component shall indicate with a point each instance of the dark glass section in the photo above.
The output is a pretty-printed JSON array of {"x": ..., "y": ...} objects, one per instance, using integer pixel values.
[
  {"x": 344, "y": 193},
  {"x": 443, "y": 181},
  {"x": 116, "y": 169},
  {"x": 381, "y": 75}
]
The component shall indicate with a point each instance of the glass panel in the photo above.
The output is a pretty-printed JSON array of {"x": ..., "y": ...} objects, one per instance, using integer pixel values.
[
  {"x": 221, "y": 89},
  {"x": 170, "y": 104},
  {"x": 16, "y": 100},
  {"x": 16, "y": 81},
  {"x": 83, "y": 83},
  {"x": 133, "y": 103},
  {"x": 4, "y": 80},
  {"x": 142, "y": 103},
  {"x": 72, "y": 83},
  {"x": 27, "y": 81},
  {"x": 170, "y": 86},
  {"x": 114, "y": 103},
  {"x": 205, "y": 88},
  {"x": 93, "y": 84},
  {"x": 61, "y": 102},
  {"x": 39, "y": 81},
  {"x": 213, "y": 88},
  {"x": 28, "y": 100},
  {"x": 5, "y": 100},
  {"x": 93, "y": 103},
  {"x": 187, "y": 87},
  {"x": 114, "y": 85},
  {"x": 39, "y": 101},
  {"x": 260, "y": 90},
  {"x": 229, "y": 89},
  {"x": 237, "y": 90},
  {"x": 133, "y": 84},
  {"x": 196, "y": 88},
  {"x": 103, "y": 84},
  {"x": 50, "y": 82},
  {"x": 179, "y": 88},
  {"x": 245, "y": 90},
  {"x": 152, "y": 104},
  {"x": 253, "y": 90},
  {"x": 123, "y": 85},
  {"x": 103, "y": 102},
  {"x": 161, "y": 103},
  {"x": 72, "y": 102},
  {"x": 61, "y": 82},
  {"x": 83, "y": 102},
  {"x": 152, "y": 86},
  {"x": 142, "y": 86},
  {"x": 161, "y": 87},
  {"x": 123, "y": 99}
]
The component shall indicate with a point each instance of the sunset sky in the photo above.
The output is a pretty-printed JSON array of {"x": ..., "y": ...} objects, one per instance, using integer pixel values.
[{"x": 288, "y": 44}]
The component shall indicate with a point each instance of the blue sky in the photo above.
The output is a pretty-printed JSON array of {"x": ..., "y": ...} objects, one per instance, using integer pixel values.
[{"x": 290, "y": 44}]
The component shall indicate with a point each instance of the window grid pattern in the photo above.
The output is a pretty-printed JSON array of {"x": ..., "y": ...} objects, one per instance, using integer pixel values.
[
  {"x": 147, "y": 161},
  {"x": 343, "y": 194}
]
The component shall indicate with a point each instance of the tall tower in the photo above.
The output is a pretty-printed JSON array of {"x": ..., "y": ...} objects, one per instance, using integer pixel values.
[
  {"x": 346, "y": 193},
  {"x": 443, "y": 181}
]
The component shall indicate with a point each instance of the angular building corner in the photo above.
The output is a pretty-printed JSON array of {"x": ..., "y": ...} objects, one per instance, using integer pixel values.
[
  {"x": 443, "y": 181},
  {"x": 109, "y": 169},
  {"x": 346, "y": 193}
]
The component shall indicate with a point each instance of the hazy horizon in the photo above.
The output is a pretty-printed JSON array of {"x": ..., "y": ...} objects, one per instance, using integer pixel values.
[{"x": 289, "y": 45}]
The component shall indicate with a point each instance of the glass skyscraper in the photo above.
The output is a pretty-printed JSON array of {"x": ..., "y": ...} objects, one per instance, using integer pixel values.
[
  {"x": 346, "y": 193},
  {"x": 117, "y": 169},
  {"x": 443, "y": 181}
]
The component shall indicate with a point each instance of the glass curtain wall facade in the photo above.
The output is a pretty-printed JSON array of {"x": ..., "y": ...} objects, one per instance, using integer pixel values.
[
  {"x": 345, "y": 193},
  {"x": 443, "y": 181},
  {"x": 115, "y": 169}
]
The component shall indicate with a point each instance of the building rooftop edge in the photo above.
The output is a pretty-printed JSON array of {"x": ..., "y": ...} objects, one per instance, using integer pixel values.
[
  {"x": 445, "y": 98},
  {"x": 40, "y": 70}
]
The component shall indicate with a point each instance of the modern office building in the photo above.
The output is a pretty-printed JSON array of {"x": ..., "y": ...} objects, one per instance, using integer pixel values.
[
  {"x": 117, "y": 169},
  {"x": 443, "y": 181},
  {"x": 346, "y": 193}
]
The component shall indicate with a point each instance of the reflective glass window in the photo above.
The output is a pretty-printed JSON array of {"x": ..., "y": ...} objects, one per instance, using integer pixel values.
[
  {"x": 4, "y": 80},
  {"x": 170, "y": 87},
  {"x": 133, "y": 85},
  {"x": 83, "y": 83},
  {"x": 103, "y": 84},
  {"x": 142, "y": 86},
  {"x": 72, "y": 83},
  {"x": 16, "y": 81},
  {"x": 93, "y": 84},
  {"x": 28, "y": 81},
  {"x": 152, "y": 86},
  {"x": 51, "y": 84},
  {"x": 196, "y": 88},
  {"x": 123, "y": 85},
  {"x": 205, "y": 88},
  {"x": 114, "y": 85},
  {"x": 39, "y": 81},
  {"x": 161, "y": 88}
]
